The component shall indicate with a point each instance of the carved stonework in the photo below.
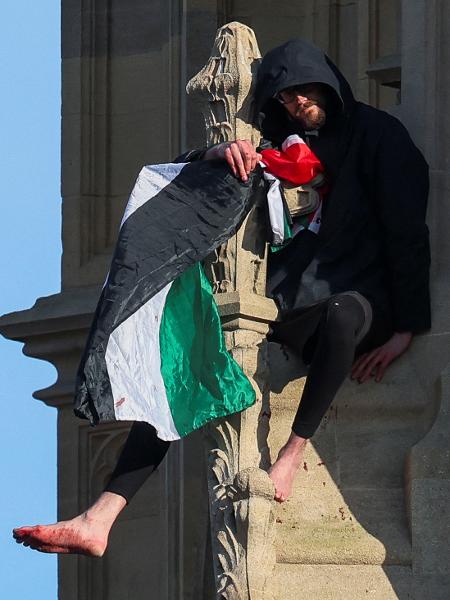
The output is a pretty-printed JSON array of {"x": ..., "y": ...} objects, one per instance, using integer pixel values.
[
  {"x": 241, "y": 493},
  {"x": 222, "y": 465},
  {"x": 224, "y": 88},
  {"x": 255, "y": 517},
  {"x": 225, "y": 85}
]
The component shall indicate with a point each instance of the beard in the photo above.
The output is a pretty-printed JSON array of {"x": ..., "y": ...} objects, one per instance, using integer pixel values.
[{"x": 310, "y": 116}]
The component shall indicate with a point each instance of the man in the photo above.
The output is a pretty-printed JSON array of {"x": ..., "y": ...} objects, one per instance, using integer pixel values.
[{"x": 358, "y": 287}]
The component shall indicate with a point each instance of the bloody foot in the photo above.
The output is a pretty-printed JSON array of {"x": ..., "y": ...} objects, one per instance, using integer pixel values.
[
  {"x": 85, "y": 534},
  {"x": 283, "y": 471},
  {"x": 65, "y": 537}
]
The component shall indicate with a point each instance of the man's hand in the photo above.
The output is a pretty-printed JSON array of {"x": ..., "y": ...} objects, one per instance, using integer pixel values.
[
  {"x": 240, "y": 155},
  {"x": 375, "y": 363}
]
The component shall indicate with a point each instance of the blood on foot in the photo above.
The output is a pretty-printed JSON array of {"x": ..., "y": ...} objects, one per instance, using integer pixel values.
[
  {"x": 21, "y": 532},
  {"x": 57, "y": 538}
]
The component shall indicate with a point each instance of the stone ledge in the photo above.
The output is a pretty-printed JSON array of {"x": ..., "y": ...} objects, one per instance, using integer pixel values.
[
  {"x": 69, "y": 309},
  {"x": 55, "y": 330},
  {"x": 246, "y": 305},
  {"x": 342, "y": 582},
  {"x": 325, "y": 525}
]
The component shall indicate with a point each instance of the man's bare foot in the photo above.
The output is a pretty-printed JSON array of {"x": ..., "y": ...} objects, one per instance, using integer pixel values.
[
  {"x": 85, "y": 534},
  {"x": 77, "y": 536},
  {"x": 283, "y": 471}
]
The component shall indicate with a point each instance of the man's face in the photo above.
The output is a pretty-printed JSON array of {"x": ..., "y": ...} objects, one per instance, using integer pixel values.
[{"x": 305, "y": 104}]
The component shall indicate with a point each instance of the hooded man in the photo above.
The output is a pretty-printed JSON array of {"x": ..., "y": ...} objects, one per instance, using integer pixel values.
[{"x": 356, "y": 287}]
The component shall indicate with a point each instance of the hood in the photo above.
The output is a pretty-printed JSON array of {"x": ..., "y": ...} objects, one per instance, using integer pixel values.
[{"x": 298, "y": 62}]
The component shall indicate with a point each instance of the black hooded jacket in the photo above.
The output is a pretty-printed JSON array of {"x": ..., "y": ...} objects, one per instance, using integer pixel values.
[{"x": 373, "y": 238}]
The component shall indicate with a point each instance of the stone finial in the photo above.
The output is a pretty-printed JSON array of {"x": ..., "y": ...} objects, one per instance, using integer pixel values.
[
  {"x": 224, "y": 90},
  {"x": 240, "y": 493},
  {"x": 225, "y": 85}
]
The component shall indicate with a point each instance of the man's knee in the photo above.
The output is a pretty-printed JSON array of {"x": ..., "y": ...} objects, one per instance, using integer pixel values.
[{"x": 345, "y": 316}]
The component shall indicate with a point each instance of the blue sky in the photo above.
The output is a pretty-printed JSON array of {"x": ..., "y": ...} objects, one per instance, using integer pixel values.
[{"x": 30, "y": 258}]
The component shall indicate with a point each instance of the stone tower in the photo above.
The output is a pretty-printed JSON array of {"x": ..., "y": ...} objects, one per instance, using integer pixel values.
[{"x": 369, "y": 517}]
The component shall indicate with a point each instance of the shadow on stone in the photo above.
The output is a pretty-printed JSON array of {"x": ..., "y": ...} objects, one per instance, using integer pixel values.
[{"x": 347, "y": 515}]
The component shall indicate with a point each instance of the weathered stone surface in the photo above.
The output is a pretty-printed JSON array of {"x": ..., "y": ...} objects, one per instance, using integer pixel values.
[
  {"x": 333, "y": 582},
  {"x": 241, "y": 495},
  {"x": 118, "y": 28},
  {"x": 428, "y": 489},
  {"x": 323, "y": 524},
  {"x": 124, "y": 67}
]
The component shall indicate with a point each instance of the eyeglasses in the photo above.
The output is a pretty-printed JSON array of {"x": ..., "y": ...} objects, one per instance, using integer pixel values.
[{"x": 289, "y": 94}]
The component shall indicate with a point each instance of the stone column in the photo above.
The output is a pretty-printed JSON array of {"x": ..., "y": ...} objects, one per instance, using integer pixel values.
[
  {"x": 425, "y": 93},
  {"x": 240, "y": 492}
]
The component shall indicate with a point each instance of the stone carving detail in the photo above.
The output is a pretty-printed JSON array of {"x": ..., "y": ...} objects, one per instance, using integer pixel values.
[
  {"x": 240, "y": 492},
  {"x": 225, "y": 84},
  {"x": 242, "y": 520},
  {"x": 222, "y": 465},
  {"x": 224, "y": 88},
  {"x": 253, "y": 507}
]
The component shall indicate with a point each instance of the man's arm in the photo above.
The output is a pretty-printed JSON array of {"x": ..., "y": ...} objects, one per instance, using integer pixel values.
[
  {"x": 240, "y": 155},
  {"x": 400, "y": 178},
  {"x": 375, "y": 363}
]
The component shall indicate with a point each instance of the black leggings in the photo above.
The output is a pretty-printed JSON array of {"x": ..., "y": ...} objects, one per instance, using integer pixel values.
[
  {"x": 327, "y": 336},
  {"x": 140, "y": 456}
]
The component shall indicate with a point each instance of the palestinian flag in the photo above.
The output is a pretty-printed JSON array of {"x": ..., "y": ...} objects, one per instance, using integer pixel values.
[
  {"x": 295, "y": 162},
  {"x": 155, "y": 351}
]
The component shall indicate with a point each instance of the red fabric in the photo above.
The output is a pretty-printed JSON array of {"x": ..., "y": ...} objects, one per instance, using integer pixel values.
[{"x": 298, "y": 164}]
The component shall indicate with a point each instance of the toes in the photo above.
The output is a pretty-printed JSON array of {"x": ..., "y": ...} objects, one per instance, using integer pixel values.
[
  {"x": 279, "y": 496},
  {"x": 46, "y": 549},
  {"x": 20, "y": 532},
  {"x": 40, "y": 547},
  {"x": 53, "y": 549},
  {"x": 25, "y": 541},
  {"x": 26, "y": 536}
]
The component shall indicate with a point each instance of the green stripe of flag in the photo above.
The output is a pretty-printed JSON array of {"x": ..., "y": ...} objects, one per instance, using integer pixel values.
[{"x": 202, "y": 380}]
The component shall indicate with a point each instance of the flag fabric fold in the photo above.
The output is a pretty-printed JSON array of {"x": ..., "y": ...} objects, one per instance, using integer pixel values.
[
  {"x": 155, "y": 351},
  {"x": 297, "y": 164}
]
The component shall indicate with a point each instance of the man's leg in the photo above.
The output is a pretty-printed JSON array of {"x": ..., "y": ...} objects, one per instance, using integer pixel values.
[
  {"x": 88, "y": 532},
  {"x": 142, "y": 453},
  {"x": 343, "y": 319}
]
